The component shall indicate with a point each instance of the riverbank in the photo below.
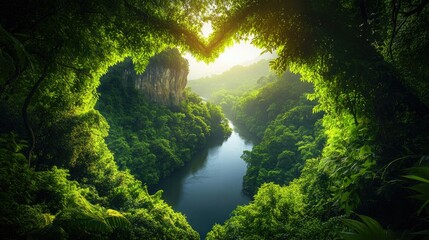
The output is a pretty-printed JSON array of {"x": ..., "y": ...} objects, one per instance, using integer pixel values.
[{"x": 209, "y": 187}]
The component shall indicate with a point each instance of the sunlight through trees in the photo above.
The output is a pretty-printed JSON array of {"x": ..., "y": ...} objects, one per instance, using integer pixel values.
[{"x": 365, "y": 60}]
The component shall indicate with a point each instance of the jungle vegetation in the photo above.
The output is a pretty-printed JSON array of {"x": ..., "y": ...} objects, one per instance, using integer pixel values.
[
  {"x": 280, "y": 115},
  {"x": 148, "y": 138},
  {"x": 234, "y": 81},
  {"x": 366, "y": 60}
]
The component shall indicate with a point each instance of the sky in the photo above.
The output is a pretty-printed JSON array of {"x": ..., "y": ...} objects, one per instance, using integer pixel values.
[{"x": 243, "y": 53}]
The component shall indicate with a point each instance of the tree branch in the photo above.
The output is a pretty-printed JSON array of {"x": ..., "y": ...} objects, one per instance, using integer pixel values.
[
  {"x": 25, "y": 111},
  {"x": 396, "y": 6},
  {"x": 190, "y": 38}
]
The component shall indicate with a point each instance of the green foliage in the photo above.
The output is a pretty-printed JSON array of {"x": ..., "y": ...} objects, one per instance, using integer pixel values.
[
  {"x": 82, "y": 220},
  {"x": 235, "y": 81},
  {"x": 13, "y": 167},
  {"x": 291, "y": 132},
  {"x": 314, "y": 185},
  {"x": 364, "y": 58},
  {"x": 265, "y": 217},
  {"x": 363, "y": 61},
  {"x": 47, "y": 205},
  {"x": 348, "y": 158},
  {"x": 421, "y": 176},
  {"x": 150, "y": 139},
  {"x": 160, "y": 222},
  {"x": 275, "y": 213},
  {"x": 286, "y": 145},
  {"x": 256, "y": 109},
  {"x": 77, "y": 143},
  {"x": 170, "y": 59},
  {"x": 367, "y": 228},
  {"x": 17, "y": 190}
]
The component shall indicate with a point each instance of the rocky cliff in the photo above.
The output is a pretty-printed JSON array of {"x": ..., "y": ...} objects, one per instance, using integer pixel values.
[{"x": 164, "y": 79}]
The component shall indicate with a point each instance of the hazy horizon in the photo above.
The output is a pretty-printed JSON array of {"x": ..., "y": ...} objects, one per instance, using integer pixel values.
[{"x": 243, "y": 53}]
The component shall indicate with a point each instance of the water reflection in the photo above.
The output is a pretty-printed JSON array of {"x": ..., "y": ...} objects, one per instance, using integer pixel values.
[
  {"x": 247, "y": 136},
  {"x": 173, "y": 185},
  {"x": 209, "y": 187}
]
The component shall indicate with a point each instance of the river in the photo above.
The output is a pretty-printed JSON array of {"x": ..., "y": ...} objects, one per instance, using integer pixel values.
[{"x": 209, "y": 187}]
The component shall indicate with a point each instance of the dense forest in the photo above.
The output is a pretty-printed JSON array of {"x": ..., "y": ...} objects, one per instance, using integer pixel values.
[
  {"x": 344, "y": 149},
  {"x": 151, "y": 139},
  {"x": 235, "y": 81},
  {"x": 280, "y": 115}
]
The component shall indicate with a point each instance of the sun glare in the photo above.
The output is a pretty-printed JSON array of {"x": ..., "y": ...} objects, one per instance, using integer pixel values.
[
  {"x": 243, "y": 53},
  {"x": 207, "y": 29}
]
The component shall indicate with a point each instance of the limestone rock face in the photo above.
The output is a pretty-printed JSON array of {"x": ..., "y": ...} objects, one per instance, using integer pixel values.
[
  {"x": 165, "y": 78},
  {"x": 162, "y": 85}
]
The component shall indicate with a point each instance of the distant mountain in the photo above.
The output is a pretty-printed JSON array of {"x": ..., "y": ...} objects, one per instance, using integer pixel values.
[{"x": 237, "y": 79}]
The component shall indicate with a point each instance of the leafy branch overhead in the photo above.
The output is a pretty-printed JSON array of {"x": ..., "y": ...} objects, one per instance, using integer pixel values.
[{"x": 366, "y": 67}]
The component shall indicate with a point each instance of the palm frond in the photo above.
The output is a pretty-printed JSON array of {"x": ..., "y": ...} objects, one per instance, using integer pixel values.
[
  {"x": 421, "y": 175},
  {"x": 367, "y": 228}
]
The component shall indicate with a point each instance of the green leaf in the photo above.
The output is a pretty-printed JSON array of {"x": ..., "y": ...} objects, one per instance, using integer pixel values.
[
  {"x": 116, "y": 220},
  {"x": 417, "y": 178},
  {"x": 367, "y": 228},
  {"x": 420, "y": 174}
]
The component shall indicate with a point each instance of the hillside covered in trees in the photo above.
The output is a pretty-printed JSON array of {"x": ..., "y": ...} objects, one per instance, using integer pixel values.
[
  {"x": 280, "y": 115},
  {"x": 343, "y": 154},
  {"x": 148, "y": 138},
  {"x": 236, "y": 80}
]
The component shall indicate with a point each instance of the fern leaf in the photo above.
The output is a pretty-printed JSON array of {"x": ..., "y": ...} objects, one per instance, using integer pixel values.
[{"x": 116, "y": 220}]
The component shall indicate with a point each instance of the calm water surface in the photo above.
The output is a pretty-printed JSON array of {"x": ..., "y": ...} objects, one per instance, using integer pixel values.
[{"x": 209, "y": 187}]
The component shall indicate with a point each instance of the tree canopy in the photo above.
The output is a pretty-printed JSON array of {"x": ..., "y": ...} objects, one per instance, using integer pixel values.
[{"x": 367, "y": 60}]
